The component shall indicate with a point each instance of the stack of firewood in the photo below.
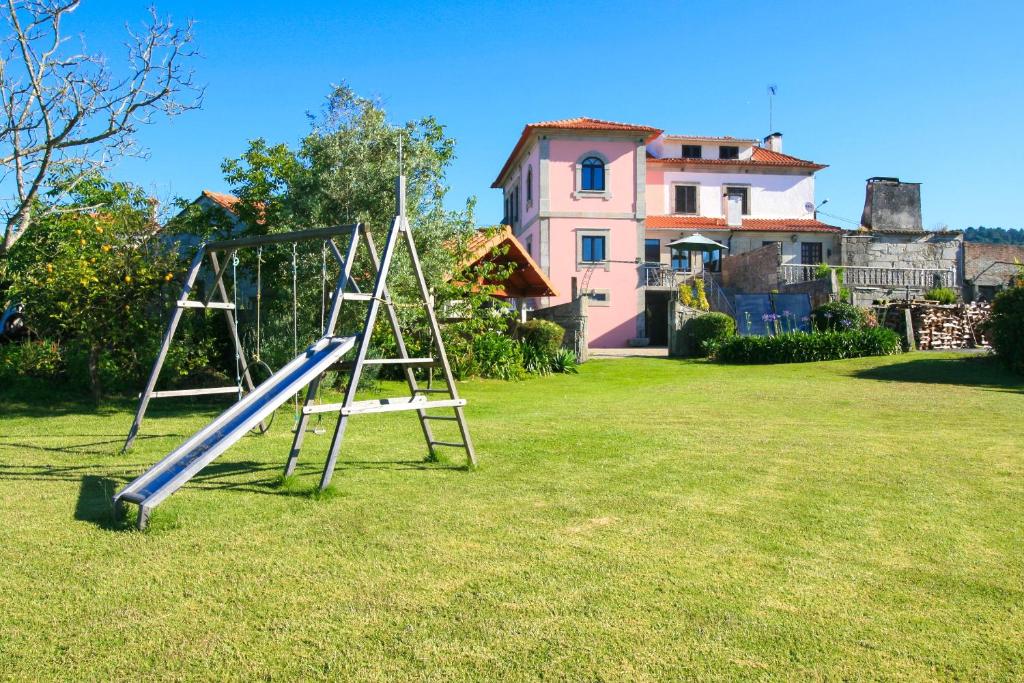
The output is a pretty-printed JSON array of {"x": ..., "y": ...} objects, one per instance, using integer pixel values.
[{"x": 941, "y": 326}]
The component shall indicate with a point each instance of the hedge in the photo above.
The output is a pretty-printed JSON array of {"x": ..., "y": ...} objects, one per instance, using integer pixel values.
[
  {"x": 700, "y": 335},
  {"x": 800, "y": 347},
  {"x": 1006, "y": 328},
  {"x": 838, "y": 315}
]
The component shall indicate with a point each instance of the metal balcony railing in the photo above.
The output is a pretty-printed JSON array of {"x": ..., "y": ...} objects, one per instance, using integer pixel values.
[{"x": 653, "y": 275}]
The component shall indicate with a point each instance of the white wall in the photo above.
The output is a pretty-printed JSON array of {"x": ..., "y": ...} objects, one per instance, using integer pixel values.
[{"x": 771, "y": 195}]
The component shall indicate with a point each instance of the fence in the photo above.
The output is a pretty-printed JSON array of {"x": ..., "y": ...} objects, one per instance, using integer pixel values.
[{"x": 869, "y": 276}]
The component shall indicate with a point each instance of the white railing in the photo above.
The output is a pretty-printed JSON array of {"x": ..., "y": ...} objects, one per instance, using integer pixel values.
[
  {"x": 660, "y": 276},
  {"x": 865, "y": 276}
]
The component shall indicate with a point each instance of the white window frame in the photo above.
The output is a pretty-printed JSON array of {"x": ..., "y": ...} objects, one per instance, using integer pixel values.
[{"x": 672, "y": 198}]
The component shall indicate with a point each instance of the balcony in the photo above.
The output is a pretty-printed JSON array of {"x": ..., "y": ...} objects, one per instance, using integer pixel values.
[
  {"x": 653, "y": 275},
  {"x": 860, "y": 276}
]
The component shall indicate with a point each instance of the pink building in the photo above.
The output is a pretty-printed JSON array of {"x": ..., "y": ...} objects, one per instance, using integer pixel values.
[{"x": 596, "y": 204}]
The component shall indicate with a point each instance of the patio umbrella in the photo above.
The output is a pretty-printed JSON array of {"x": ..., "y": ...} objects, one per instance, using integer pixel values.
[{"x": 697, "y": 242}]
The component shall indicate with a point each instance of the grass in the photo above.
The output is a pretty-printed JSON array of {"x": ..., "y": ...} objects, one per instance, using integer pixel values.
[{"x": 647, "y": 519}]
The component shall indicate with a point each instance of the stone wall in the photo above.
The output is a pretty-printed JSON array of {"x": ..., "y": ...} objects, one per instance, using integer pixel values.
[
  {"x": 573, "y": 317},
  {"x": 922, "y": 250},
  {"x": 678, "y": 315},
  {"x": 989, "y": 267},
  {"x": 753, "y": 271}
]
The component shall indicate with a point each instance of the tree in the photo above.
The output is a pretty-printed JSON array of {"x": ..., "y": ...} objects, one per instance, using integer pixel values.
[
  {"x": 95, "y": 280},
  {"x": 64, "y": 115},
  {"x": 342, "y": 171}
]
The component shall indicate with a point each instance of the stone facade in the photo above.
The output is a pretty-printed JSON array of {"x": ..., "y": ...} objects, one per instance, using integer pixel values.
[
  {"x": 989, "y": 267},
  {"x": 573, "y": 317},
  {"x": 938, "y": 250},
  {"x": 753, "y": 271}
]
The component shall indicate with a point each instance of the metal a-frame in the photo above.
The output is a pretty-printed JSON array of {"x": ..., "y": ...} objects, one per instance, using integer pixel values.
[{"x": 419, "y": 397}]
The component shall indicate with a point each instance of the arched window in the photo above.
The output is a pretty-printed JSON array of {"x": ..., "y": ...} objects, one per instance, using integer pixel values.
[
  {"x": 529, "y": 185},
  {"x": 592, "y": 178}
]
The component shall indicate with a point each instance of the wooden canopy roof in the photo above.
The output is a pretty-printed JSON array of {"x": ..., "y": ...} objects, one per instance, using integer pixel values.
[{"x": 500, "y": 247}]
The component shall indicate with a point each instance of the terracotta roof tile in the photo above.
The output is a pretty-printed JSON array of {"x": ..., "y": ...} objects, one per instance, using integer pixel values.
[
  {"x": 578, "y": 123},
  {"x": 751, "y": 224},
  {"x": 222, "y": 199},
  {"x": 760, "y": 157}
]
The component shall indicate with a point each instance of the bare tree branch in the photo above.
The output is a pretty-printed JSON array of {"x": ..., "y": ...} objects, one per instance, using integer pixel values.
[{"x": 63, "y": 114}]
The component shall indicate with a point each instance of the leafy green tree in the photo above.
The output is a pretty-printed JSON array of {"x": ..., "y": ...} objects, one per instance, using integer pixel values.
[
  {"x": 93, "y": 282},
  {"x": 343, "y": 171}
]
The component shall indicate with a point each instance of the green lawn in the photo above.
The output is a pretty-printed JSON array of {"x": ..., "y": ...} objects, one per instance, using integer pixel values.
[{"x": 647, "y": 519}]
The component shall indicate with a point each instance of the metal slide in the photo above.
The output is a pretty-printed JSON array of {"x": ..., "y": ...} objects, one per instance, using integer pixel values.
[{"x": 168, "y": 475}]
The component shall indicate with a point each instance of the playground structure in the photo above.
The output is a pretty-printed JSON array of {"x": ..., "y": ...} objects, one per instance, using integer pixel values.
[{"x": 258, "y": 403}]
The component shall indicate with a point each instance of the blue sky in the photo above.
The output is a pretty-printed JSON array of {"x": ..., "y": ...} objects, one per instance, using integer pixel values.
[{"x": 932, "y": 92}]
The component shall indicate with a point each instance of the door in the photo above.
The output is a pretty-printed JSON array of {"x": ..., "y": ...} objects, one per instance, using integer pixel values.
[
  {"x": 656, "y": 316},
  {"x": 810, "y": 253}
]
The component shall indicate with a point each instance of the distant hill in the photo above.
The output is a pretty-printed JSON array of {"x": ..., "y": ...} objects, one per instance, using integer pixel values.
[{"x": 994, "y": 235}]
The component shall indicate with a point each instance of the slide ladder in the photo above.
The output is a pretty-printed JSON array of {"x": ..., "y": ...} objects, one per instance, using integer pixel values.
[{"x": 171, "y": 473}]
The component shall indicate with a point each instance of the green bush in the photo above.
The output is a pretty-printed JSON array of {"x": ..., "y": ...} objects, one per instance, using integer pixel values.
[
  {"x": 543, "y": 335},
  {"x": 702, "y": 333},
  {"x": 497, "y": 356},
  {"x": 838, "y": 316},
  {"x": 944, "y": 295},
  {"x": 1006, "y": 327},
  {"x": 565, "y": 362},
  {"x": 39, "y": 360},
  {"x": 800, "y": 347}
]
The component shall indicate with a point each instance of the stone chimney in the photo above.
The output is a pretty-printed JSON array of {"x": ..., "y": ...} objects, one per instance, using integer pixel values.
[
  {"x": 734, "y": 210},
  {"x": 774, "y": 142},
  {"x": 892, "y": 206}
]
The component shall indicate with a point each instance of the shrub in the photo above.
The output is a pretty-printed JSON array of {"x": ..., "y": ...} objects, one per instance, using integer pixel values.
[
  {"x": 800, "y": 347},
  {"x": 944, "y": 295},
  {"x": 543, "y": 335},
  {"x": 838, "y": 315},
  {"x": 701, "y": 300},
  {"x": 703, "y": 332},
  {"x": 40, "y": 360},
  {"x": 1006, "y": 327},
  {"x": 565, "y": 362},
  {"x": 497, "y": 356}
]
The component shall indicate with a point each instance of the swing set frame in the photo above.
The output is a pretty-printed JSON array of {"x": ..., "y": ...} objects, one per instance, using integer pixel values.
[{"x": 346, "y": 289}]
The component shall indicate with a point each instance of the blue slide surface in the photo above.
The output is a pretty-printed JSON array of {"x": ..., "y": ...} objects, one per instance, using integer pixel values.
[{"x": 183, "y": 463}]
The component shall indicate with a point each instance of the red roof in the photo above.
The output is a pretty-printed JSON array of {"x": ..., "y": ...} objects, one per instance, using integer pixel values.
[
  {"x": 526, "y": 280},
  {"x": 761, "y": 157},
  {"x": 578, "y": 123},
  {"x": 752, "y": 224},
  {"x": 222, "y": 199}
]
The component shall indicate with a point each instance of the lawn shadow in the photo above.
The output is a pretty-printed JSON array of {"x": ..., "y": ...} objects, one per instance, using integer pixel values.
[
  {"x": 968, "y": 370},
  {"x": 95, "y": 503},
  {"x": 113, "y": 445}
]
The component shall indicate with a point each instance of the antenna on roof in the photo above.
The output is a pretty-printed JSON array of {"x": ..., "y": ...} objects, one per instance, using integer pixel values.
[{"x": 772, "y": 91}]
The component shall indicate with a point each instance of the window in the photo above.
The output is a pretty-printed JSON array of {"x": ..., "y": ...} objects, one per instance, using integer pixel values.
[
  {"x": 686, "y": 199},
  {"x": 713, "y": 260},
  {"x": 728, "y": 152},
  {"x": 529, "y": 246},
  {"x": 691, "y": 152},
  {"x": 599, "y": 297},
  {"x": 652, "y": 251},
  {"x": 592, "y": 179},
  {"x": 743, "y": 193},
  {"x": 515, "y": 205},
  {"x": 680, "y": 259},
  {"x": 507, "y": 220},
  {"x": 529, "y": 186},
  {"x": 593, "y": 248},
  {"x": 810, "y": 253}
]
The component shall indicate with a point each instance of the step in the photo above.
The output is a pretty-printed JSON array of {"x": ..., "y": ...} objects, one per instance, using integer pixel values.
[
  {"x": 188, "y": 303},
  {"x": 194, "y": 392},
  {"x": 420, "y": 362},
  {"x": 384, "y": 405},
  {"x": 453, "y": 444}
]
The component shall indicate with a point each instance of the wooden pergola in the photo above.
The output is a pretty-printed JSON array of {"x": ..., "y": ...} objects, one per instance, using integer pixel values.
[{"x": 501, "y": 248}]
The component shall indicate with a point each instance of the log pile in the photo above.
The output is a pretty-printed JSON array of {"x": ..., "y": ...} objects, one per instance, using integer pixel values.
[{"x": 942, "y": 326}]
